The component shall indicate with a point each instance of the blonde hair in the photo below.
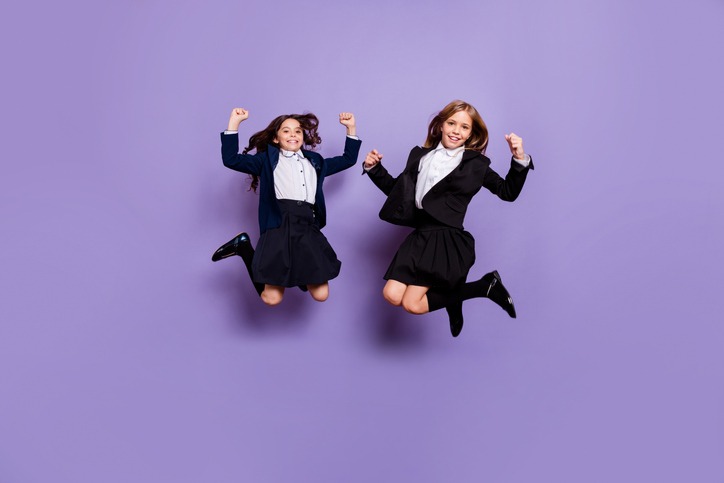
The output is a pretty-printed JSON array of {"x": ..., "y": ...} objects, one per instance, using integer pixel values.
[{"x": 478, "y": 139}]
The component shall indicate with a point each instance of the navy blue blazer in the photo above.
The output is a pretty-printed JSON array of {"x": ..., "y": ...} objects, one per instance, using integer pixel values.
[{"x": 263, "y": 164}]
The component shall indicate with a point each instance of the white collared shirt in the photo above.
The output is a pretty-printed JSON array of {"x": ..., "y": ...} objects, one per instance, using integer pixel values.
[
  {"x": 294, "y": 177},
  {"x": 434, "y": 166}
]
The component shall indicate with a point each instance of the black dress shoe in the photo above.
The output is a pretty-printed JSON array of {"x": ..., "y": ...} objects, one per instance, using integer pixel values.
[
  {"x": 498, "y": 294},
  {"x": 455, "y": 313},
  {"x": 232, "y": 247}
]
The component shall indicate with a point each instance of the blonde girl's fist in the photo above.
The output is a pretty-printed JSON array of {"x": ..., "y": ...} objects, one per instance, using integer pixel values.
[
  {"x": 515, "y": 143},
  {"x": 372, "y": 158}
]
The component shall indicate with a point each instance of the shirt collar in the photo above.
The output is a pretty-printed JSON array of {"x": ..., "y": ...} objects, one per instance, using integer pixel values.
[
  {"x": 450, "y": 152},
  {"x": 290, "y": 154}
]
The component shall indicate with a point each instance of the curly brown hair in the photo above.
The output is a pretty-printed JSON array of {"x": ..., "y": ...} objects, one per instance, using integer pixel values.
[
  {"x": 259, "y": 141},
  {"x": 478, "y": 139}
]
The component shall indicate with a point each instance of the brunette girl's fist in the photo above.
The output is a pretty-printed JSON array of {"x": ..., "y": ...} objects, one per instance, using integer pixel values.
[
  {"x": 238, "y": 114},
  {"x": 372, "y": 158},
  {"x": 515, "y": 143},
  {"x": 346, "y": 119}
]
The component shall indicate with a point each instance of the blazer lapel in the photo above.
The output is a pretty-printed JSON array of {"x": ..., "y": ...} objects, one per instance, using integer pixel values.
[
  {"x": 312, "y": 159},
  {"x": 459, "y": 171},
  {"x": 413, "y": 167},
  {"x": 273, "y": 153}
]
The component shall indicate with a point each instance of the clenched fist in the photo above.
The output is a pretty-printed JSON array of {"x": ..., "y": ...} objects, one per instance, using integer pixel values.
[
  {"x": 372, "y": 158},
  {"x": 347, "y": 120},
  {"x": 515, "y": 143},
  {"x": 238, "y": 114}
]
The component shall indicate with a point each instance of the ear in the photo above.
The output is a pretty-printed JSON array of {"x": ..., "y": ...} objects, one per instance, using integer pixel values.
[{"x": 275, "y": 140}]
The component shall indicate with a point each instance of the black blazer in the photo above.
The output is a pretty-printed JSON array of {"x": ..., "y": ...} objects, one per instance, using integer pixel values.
[{"x": 448, "y": 200}]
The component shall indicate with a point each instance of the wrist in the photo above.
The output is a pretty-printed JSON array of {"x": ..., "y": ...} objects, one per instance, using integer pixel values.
[{"x": 351, "y": 131}]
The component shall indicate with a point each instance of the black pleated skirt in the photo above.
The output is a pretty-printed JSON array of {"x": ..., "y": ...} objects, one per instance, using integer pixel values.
[
  {"x": 434, "y": 255},
  {"x": 295, "y": 253}
]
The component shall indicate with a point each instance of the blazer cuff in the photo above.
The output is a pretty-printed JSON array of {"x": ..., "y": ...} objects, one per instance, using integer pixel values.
[
  {"x": 367, "y": 170},
  {"x": 519, "y": 167}
]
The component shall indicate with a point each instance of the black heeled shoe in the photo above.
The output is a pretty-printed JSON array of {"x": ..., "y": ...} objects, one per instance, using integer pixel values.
[
  {"x": 232, "y": 247},
  {"x": 498, "y": 294},
  {"x": 239, "y": 245}
]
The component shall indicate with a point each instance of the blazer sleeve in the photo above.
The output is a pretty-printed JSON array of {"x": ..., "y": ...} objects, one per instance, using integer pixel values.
[
  {"x": 347, "y": 160},
  {"x": 246, "y": 163},
  {"x": 509, "y": 188},
  {"x": 381, "y": 178}
]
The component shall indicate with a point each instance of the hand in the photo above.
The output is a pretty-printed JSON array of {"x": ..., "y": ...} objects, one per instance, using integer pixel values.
[
  {"x": 347, "y": 120},
  {"x": 515, "y": 143},
  {"x": 238, "y": 114},
  {"x": 372, "y": 158}
]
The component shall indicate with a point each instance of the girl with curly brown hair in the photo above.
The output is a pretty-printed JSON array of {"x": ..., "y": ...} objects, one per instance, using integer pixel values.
[{"x": 292, "y": 251}]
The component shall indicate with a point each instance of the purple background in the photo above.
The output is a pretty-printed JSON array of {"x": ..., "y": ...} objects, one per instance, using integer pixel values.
[{"x": 127, "y": 356}]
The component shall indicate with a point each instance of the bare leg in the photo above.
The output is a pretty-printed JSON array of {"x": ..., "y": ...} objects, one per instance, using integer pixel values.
[
  {"x": 272, "y": 294},
  {"x": 393, "y": 292},
  {"x": 319, "y": 292},
  {"x": 415, "y": 299}
]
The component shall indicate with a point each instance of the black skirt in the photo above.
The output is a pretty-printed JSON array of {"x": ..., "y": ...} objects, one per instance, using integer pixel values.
[
  {"x": 434, "y": 255},
  {"x": 296, "y": 252}
]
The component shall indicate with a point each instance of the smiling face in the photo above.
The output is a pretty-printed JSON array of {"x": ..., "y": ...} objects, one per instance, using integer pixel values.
[
  {"x": 456, "y": 130},
  {"x": 290, "y": 135}
]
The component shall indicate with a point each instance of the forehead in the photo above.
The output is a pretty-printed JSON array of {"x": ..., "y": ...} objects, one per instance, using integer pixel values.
[
  {"x": 290, "y": 123},
  {"x": 462, "y": 117}
]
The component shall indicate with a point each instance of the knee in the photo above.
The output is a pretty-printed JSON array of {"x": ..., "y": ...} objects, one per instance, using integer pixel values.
[
  {"x": 271, "y": 297},
  {"x": 413, "y": 306},
  {"x": 392, "y": 296},
  {"x": 320, "y": 294}
]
